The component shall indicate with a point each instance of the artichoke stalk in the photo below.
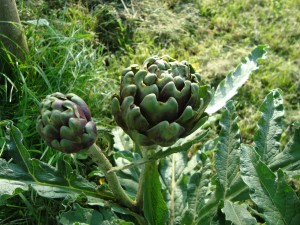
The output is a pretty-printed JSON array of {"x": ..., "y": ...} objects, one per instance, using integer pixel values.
[
  {"x": 162, "y": 102},
  {"x": 65, "y": 123}
]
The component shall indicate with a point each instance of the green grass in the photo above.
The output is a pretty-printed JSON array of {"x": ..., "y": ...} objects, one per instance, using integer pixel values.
[
  {"x": 215, "y": 36},
  {"x": 77, "y": 53}
]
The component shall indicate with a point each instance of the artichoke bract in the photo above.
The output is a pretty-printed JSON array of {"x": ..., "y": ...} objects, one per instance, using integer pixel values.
[
  {"x": 65, "y": 123},
  {"x": 162, "y": 102}
]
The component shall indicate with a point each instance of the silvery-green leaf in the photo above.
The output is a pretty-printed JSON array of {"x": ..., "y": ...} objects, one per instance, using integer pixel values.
[
  {"x": 121, "y": 140},
  {"x": 177, "y": 171},
  {"x": 39, "y": 22},
  {"x": 269, "y": 131},
  {"x": 209, "y": 210},
  {"x": 238, "y": 214},
  {"x": 293, "y": 174},
  {"x": 15, "y": 147},
  {"x": 80, "y": 215},
  {"x": 228, "y": 149},
  {"x": 129, "y": 178},
  {"x": 289, "y": 158},
  {"x": 272, "y": 194},
  {"x": 197, "y": 190},
  {"x": 174, "y": 183},
  {"x": 13, "y": 180},
  {"x": 234, "y": 80}
]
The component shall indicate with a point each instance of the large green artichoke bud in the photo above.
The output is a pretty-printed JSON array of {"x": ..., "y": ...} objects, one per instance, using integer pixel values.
[
  {"x": 162, "y": 102},
  {"x": 65, "y": 123}
]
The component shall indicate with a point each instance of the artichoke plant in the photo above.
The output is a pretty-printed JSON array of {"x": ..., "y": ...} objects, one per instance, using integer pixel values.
[
  {"x": 65, "y": 123},
  {"x": 162, "y": 102}
]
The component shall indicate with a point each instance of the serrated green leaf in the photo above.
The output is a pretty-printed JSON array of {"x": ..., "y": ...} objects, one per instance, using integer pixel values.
[
  {"x": 13, "y": 180},
  {"x": 238, "y": 191},
  {"x": 47, "y": 180},
  {"x": 14, "y": 140},
  {"x": 269, "y": 131},
  {"x": 80, "y": 215},
  {"x": 51, "y": 183},
  {"x": 155, "y": 208},
  {"x": 272, "y": 194},
  {"x": 202, "y": 203},
  {"x": 116, "y": 208},
  {"x": 234, "y": 80},
  {"x": 187, "y": 218},
  {"x": 121, "y": 140},
  {"x": 238, "y": 214},
  {"x": 174, "y": 183},
  {"x": 175, "y": 171},
  {"x": 295, "y": 174},
  {"x": 129, "y": 178},
  {"x": 207, "y": 213},
  {"x": 228, "y": 149},
  {"x": 289, "y": 158},
  {"x": 197, "y": 190}
]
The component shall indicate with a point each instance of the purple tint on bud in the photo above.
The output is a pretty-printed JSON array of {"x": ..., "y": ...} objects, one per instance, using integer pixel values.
[
  {"x": 81, "y": 105},
  {"x": 58, "y": 104},
  {"x": 65, "y": 123}
]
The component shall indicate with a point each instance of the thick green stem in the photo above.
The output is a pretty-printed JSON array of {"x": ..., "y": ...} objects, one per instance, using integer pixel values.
[
  {"x": 113, "y": 182},
  {"x": 149, "y": 196},
  {"x": 139, "y": 197},
  {"x": 173, "y": 192}
]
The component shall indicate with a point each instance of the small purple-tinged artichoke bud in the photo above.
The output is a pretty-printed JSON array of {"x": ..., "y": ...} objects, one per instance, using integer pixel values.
[{"x": 65, "y": 123}]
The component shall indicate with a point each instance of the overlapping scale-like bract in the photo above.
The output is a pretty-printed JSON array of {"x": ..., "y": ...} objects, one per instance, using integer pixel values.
[
  {"x": 162, "y": 102},
  {"x": 65, "y": 123}
]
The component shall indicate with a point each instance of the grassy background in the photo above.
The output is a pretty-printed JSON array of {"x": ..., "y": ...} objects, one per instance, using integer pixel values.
[{"x": 82, "y": 47}]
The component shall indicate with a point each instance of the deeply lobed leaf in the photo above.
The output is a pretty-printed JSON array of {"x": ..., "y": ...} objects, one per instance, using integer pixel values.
[
  {"x": 228, "y": 149},
  {"x": 174, "y": 181},
  {"x": 234, "y": 80},
  {"x": 278, "y": 201},
  {"x": 289, "y": 158},
  {"x": 269, "y": 131},
  {"x": 238, "y": 214}
]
